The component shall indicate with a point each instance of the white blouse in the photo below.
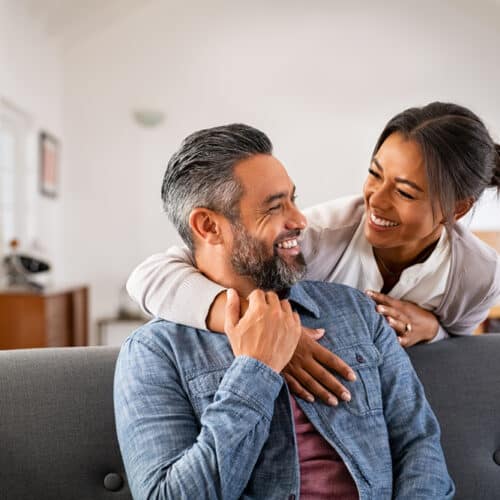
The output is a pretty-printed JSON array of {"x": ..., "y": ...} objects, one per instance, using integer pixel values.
[{"x": 423, "y": 283}]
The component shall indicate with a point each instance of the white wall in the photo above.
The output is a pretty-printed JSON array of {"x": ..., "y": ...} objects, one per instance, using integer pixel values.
[
  {"x": 31, "y": 78},
  {"x": 320, "y": 77}
]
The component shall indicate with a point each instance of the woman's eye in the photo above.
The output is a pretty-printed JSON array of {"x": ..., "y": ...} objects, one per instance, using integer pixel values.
[
  {"x": 405, "y": 194},
  {"x": 375, "y": 174}
]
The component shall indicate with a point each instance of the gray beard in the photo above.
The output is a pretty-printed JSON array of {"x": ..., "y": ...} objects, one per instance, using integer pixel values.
[{"x": 250, "y": 257}]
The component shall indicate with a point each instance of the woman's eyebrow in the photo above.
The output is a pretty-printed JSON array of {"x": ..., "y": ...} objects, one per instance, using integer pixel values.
[
  {"x": 409, "y": 183},
  {"x": 377, "y": 164},
  {"x": 399, "y": 179}
]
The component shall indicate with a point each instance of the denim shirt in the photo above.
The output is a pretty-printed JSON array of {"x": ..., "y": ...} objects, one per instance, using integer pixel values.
[{"x": 195, "y": 422}]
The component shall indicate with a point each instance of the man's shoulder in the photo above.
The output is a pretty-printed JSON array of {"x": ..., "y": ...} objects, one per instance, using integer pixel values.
[
  {"x": 160, "y": 334},
  {"x": 176, "y": 340},
  {"x": 335, "y": 293}
]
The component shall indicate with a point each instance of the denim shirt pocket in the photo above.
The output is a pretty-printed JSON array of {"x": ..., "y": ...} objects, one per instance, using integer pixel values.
[
  {"x": 203, "y": 386},
  {"x": 364, "y": 359}
]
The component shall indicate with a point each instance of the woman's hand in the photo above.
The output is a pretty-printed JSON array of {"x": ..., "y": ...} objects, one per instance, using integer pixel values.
[
  {"x": 307, "y": 372},
  {"x": 411, "y": 323}
]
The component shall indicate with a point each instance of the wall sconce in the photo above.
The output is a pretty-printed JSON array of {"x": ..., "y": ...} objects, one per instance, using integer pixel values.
[{"x": 148, "y": 117}]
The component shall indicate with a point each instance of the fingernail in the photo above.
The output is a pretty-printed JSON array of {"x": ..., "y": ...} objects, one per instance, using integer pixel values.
[
  {"x": 230, "y": 293},
  {"x": 351, "y": 376},
  {"x": 346, "y": 396},
  {"x": 310, "y": 399},
  {"x": 333, "y": 401},
  {"x": 320, "y": 332},
  {"x": 381, "y": 309},
  {"x": 369, "y": 292}
]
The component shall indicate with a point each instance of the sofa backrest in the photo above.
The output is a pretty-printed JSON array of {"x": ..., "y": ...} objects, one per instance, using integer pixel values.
[
  {"x": 57, "y": 430},
  {"x": 461, "y": 377},
  {"x": 58, "y": 439}
]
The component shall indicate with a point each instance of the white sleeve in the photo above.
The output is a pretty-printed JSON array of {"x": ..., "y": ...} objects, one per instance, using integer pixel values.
[
  {"x": 440, "y": 335},
  {"x": 168, "y": 285}
]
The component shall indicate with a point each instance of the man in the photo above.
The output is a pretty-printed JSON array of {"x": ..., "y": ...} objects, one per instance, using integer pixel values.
[{"x": 201, "y": 415}]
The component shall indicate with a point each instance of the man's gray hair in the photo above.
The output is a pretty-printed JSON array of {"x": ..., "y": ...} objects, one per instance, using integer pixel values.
[{"x": 200, "y": 173}]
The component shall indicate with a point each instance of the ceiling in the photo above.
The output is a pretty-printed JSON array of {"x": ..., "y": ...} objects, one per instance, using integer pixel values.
[{"x": 71, "y": 20}]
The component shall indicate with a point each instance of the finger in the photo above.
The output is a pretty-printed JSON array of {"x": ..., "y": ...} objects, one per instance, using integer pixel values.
[
  {"x": 232, "y": 311},
  {"x": 273, "y": 300},
  {"x": 391, "y": 311},
  {"x": 404, "y": 341},
  {"x": 329, "y": 382},
  {"x": 399, "y": 326},
  {"x": 285, "y": 306},
  {"x": 332, "y": 361},
  {"x": 256, "y": 298},
  {"x": 297, "y": 389},
  {"x": 381, "y": 298},
  {"x": 313, "y": 333},
  {"x": 316, "y": 388},
  {"x": 409, "y": 340}
]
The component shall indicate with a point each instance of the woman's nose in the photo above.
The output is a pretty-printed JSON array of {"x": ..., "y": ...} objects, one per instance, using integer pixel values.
[{"x": 378, "y": 196}]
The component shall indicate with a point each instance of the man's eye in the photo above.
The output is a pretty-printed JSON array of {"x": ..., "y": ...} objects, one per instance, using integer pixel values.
[
  {"x": 405, "y": 194},
  {"x": 375, "y": 174},
  {"x": 274, "y": 208}
]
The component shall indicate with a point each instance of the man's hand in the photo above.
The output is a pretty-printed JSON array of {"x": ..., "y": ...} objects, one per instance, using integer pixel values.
[
  {"x": 307, "y": 374},
  {"x": 268, "y": 331},
  {"x": 411, "y": 323}
]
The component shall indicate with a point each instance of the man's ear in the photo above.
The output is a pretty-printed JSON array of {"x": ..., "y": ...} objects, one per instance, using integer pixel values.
[
  {"x": 462, "y": 207},
  {"x": 206, "y": 225}
]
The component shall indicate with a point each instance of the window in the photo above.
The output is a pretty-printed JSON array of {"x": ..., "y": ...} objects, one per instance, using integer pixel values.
[{"x": 17, "y": 178}]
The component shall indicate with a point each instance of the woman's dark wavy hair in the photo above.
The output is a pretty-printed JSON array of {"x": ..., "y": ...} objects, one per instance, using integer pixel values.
[{"x": 461, "y": 159}]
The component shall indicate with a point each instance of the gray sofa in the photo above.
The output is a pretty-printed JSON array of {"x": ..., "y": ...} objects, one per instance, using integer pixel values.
[{"x": 57, "y": 435}]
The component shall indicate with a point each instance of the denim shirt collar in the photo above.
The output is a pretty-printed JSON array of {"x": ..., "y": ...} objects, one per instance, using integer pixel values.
[{"x": 300, "y": 297}]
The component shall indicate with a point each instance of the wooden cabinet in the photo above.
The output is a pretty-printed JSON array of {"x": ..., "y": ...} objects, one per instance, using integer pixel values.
[
  {"x": 492, "y": 238},
  {"x": 53, "y": 318}
]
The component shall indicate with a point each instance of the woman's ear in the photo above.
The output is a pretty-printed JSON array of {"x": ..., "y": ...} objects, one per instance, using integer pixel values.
[
  {"x": 206, "y": 225},
  {"x": 462, "y": 207}
]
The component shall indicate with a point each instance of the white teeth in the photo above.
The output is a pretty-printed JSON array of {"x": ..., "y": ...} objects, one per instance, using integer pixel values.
[
  {"x": 382, "y": 222},
  {"x": 288, "y": 244}
]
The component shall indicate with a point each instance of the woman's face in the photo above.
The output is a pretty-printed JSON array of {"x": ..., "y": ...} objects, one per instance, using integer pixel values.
[{"x": 399, "y": 211}]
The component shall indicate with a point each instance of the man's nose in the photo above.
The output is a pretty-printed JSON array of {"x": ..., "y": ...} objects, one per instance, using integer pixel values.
[{"x": 296, "y": 219}]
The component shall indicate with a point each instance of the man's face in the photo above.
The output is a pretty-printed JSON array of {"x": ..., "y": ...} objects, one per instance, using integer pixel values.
[{"x": 265, "y": 238}]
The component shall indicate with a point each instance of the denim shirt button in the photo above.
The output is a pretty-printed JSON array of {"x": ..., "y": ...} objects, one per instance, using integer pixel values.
[
  {"x": 291, "y": 497},
  {"x": 360, "y": 358}
]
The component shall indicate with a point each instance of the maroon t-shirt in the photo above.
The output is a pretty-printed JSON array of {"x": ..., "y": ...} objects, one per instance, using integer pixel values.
[{"x": 323, "y": 474}]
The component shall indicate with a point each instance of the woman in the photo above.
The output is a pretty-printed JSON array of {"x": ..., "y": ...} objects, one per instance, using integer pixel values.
[{"x": 428, "y": 275}]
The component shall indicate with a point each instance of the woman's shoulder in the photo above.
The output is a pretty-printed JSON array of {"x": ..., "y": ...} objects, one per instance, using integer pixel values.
[
  {"x": 465, "y": 243},
  {"x": 339, "y": 213},
  {"x": 473, "y": 259}
]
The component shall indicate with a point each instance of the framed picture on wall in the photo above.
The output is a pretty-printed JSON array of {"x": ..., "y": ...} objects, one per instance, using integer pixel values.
[{"x": 49, "y": 164}]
